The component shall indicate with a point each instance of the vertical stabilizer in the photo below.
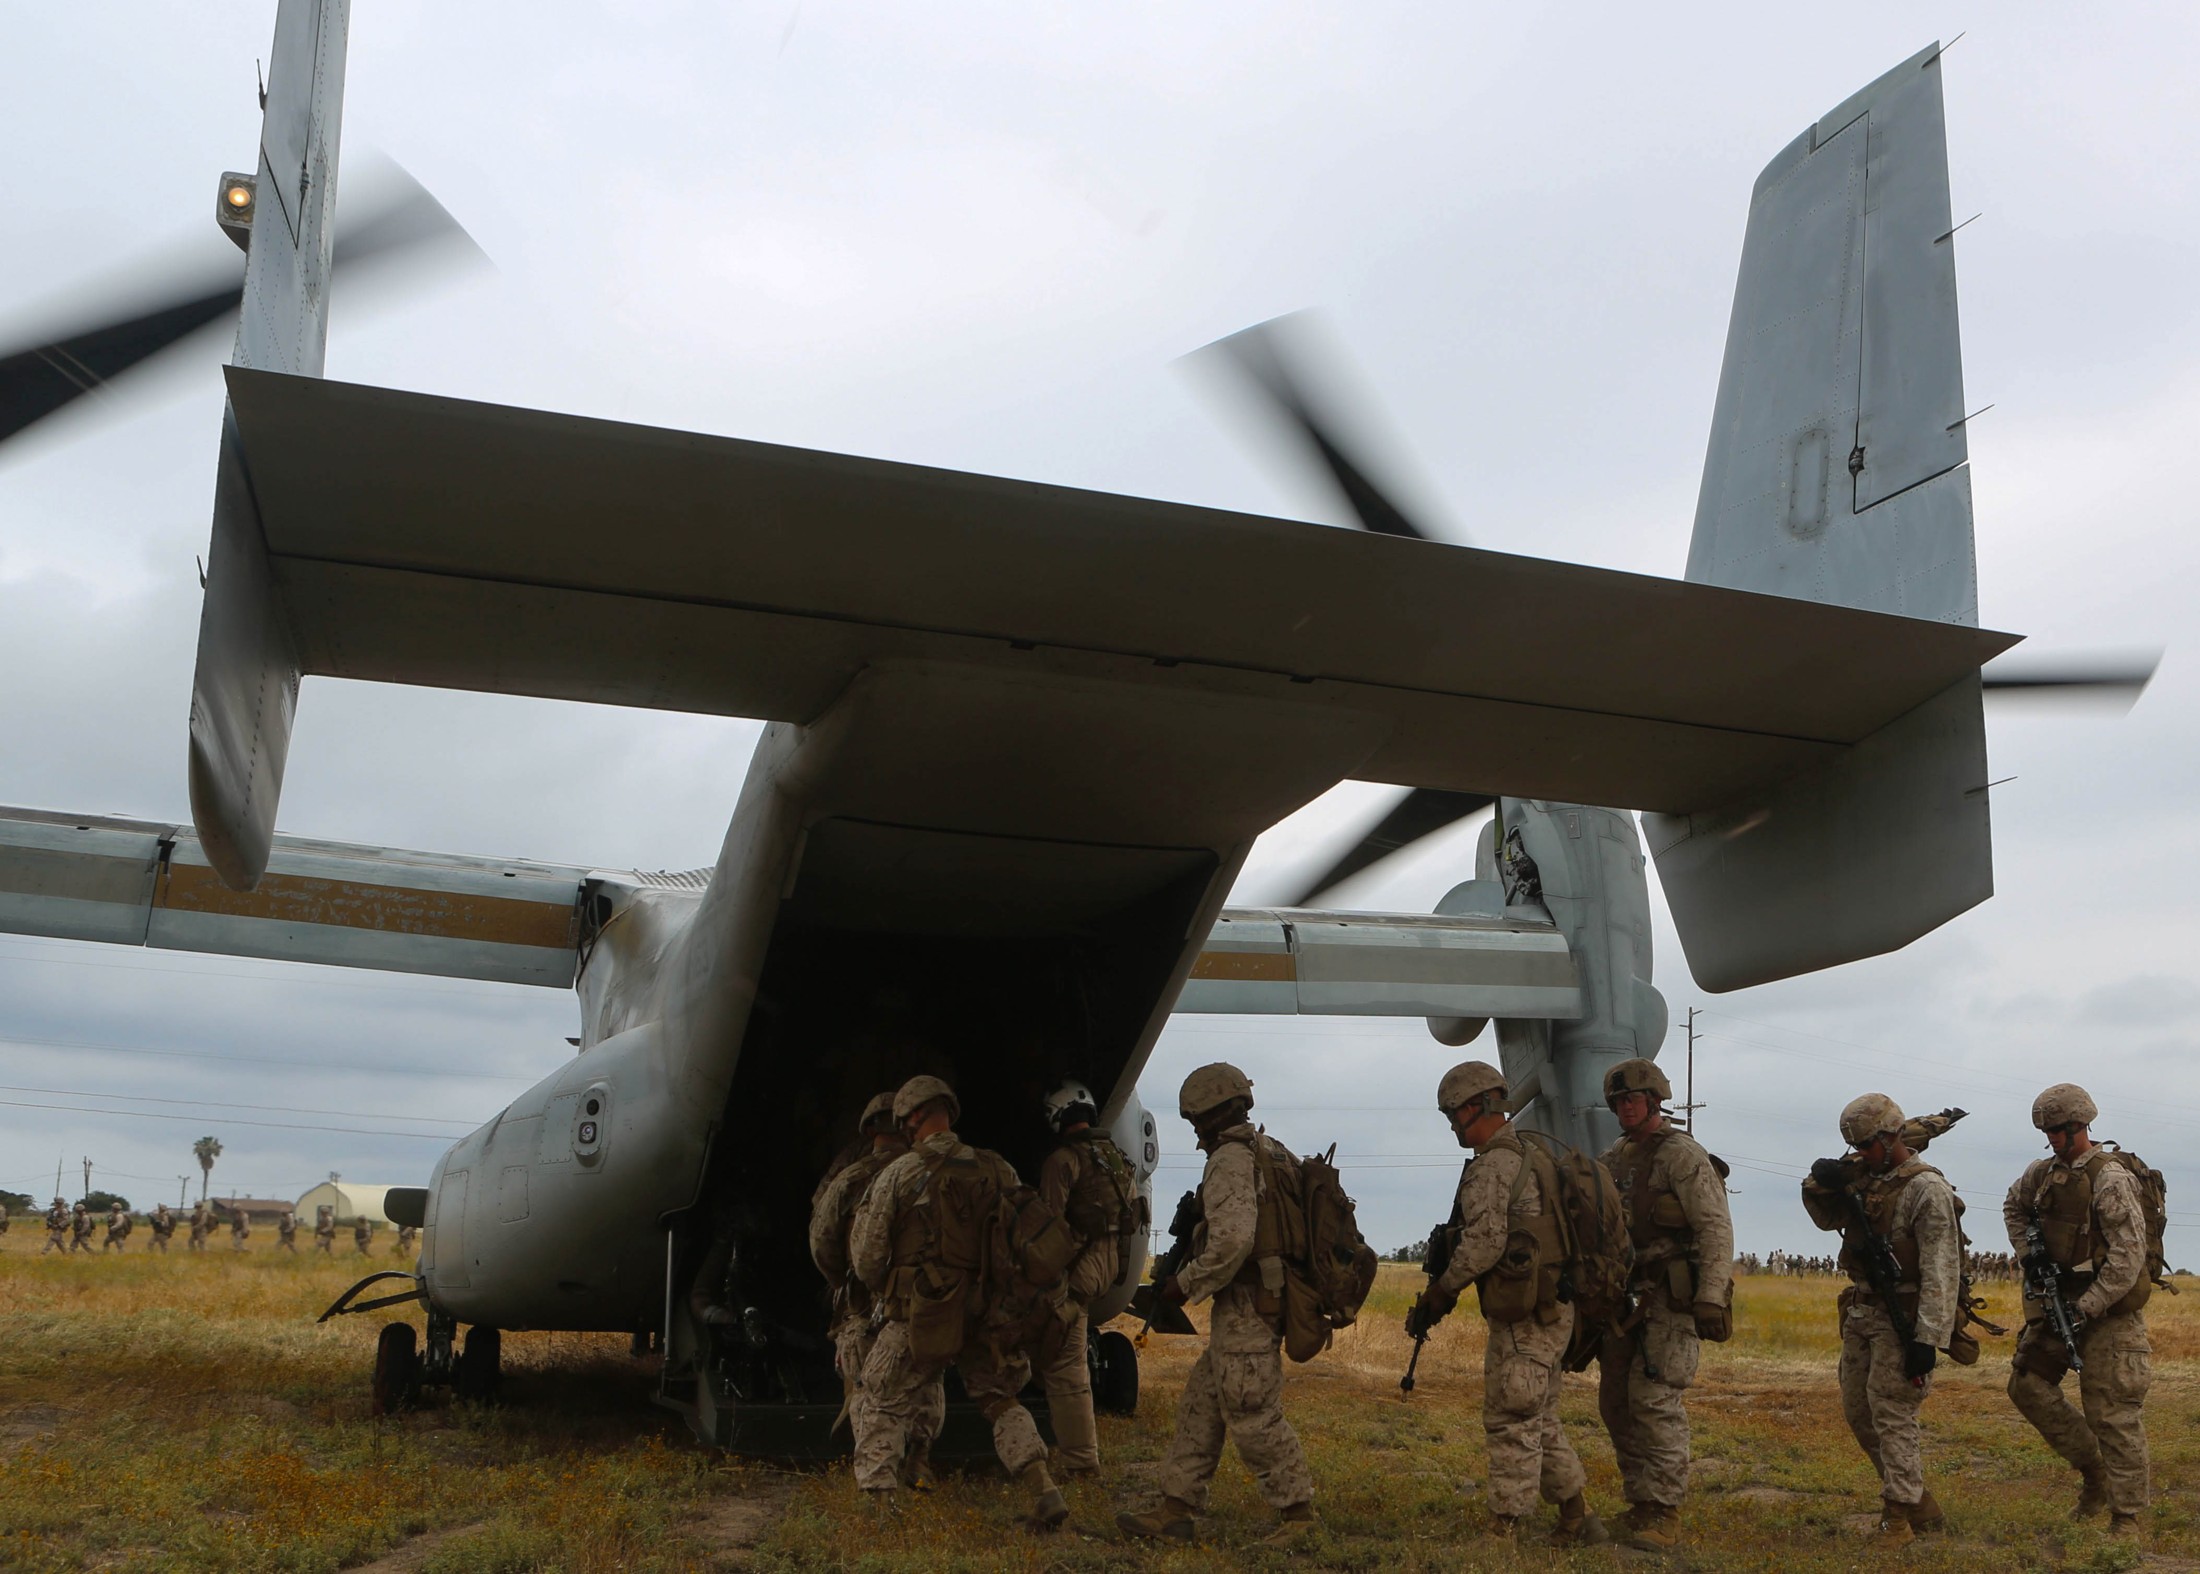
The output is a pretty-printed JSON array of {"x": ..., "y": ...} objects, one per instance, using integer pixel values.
[
  {"x": 1836, "y": 473},
  {"x": 245, "y": 691}
]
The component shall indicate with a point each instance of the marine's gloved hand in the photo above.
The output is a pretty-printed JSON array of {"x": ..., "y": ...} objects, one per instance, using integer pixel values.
[
  {"x": 1832, "y": 1174},
  {"x": 1714, "y": 1322},
  {"x": 1429, "y": 1308},
  {"x": 2082, "y": 1311},
  {"x": 1919, "y": 1359},
  {"x": 1171, "y": 1290}
]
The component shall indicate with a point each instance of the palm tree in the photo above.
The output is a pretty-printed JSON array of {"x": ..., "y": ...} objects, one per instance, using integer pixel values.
[{"x": 208, "y": 1150}]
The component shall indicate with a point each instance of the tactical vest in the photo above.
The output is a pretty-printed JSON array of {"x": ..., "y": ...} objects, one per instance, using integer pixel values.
[
  {"x": 1881, "y": 1194},
  {"x": 851, "y": 1296},
  {"x": 2063, "y": 1204},
  {"x": 1523, "y": 1282},
  {"x": 1103, "y": 1198},
  {"x": 1656, "y": 1221},
  {"x": 1279, "y": 1233}
]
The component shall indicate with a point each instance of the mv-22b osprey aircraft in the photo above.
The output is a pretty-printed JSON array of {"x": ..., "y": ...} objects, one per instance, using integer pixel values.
[{"x": 1021, "y": 739}]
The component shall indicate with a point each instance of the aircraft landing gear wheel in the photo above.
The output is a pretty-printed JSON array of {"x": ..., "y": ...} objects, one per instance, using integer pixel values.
[
  {"x": 1114, "y": 1373},
  {"x": 396, "y": 1369},
  {"x": 479, "y": 1370}
]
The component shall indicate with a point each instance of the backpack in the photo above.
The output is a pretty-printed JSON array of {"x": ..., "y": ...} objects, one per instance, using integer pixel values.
[
  {"x": 1597, "y": 1255},
  {"x": 994, "y": 1250},
  {"x": 1105, "y": 1200},
  {"x": 2154, "y": 1208},
  {"x": 1311, "y": 1224}
]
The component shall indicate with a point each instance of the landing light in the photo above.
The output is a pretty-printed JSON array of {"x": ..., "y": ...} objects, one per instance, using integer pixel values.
[{"x": 233, "y": 208}]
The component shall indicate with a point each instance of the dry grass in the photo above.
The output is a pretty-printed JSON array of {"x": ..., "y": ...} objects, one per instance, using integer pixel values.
[{"x": 180, "y": 1413}]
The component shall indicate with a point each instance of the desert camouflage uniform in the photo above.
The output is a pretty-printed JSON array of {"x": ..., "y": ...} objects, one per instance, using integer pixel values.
[
  {"x": 362, "y": 1234},
  {"x": 1693, "y": 1256},
  {"x": 324, "y": 1230},
  {"x": 1067, "y": 1377},
  {"x": 407, "y": 1236},
  {"x": 240, "y": 1228},
  {"x": 286, "y": 1232},
  {"x": 57, "y": 1228},
  {"x": 202, "y": 1225},
  {"x": 1523, "y": 1363},
  {"x": 3, "y": 1219},
  {"x": 832, "y": 1219},
  {"x": 2110, "y": 1437},
  {"x": 81, "y": 1225},
  {"x": 118, "y": 1230},
  {"x": 898, "y": 1388},
  {"x": 1236, "y": 1385},
  {"x": 1879, "y": 1400},
  {"x": 162, "y": 1224}
]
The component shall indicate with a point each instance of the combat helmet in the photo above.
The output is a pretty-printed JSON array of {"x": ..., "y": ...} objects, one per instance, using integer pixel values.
[
  {"x": 1470, "y": 1079},
  {"x": 1637, "y": 1076},
  {"x": 2064, "y": 1104},
  {"x": 878, "y": 1116},
  {"x": 1869, "y": 1118},
  {"x": 1210, "y": 1087},
  {"x": 920, "y": 1091},
  {"x": 1067, "y": 1101}
]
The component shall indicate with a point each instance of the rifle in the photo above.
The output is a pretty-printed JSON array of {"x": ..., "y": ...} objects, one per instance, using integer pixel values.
[
  {"x": 1435, "y": 1262},
  {"x": 1187, "y": 1218},
  {"x": 1875, "y": 1252},
  {"x": 2043, "y": 1283}
]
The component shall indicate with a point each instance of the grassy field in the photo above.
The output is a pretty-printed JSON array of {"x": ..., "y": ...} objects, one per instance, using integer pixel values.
[{"x": 181, "y": 1413}]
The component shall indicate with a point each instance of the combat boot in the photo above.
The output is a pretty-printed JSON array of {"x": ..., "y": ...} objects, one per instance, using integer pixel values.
[
  {"x": 1174, "y": 1520},
  {"x": 1577, "y": 1527},
  {"x": 917, "y": 1473},
  {"x": 881, "y": 1503},
  {"x": 1652, "y": 1527},
  {"x": 1895, "y": 1529},
  {"x": 2122, "y": 1525},
  {"x": 1299, "y": 1524},
  {"x": 1051, "y": 1511},
  {"x": 2092, "y": 1492},
  {"x": 1926, "y": 1517}
]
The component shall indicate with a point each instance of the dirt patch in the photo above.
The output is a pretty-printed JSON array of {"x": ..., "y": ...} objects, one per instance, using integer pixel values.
[
  {"x": 734, "y": 1524},
  {"x": 1769, "y": 1495},
  {"x": 414, "y": 1553},
  {"x": 26, "y": 1424}
]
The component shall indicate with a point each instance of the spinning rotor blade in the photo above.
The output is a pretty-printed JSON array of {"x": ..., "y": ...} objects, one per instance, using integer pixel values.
[
  {"x": 2105, "y": 680},
  {"x": 1422, "y": 812},
  {"x": 1258, "y": 354},
  {"x": 42, "y": 378}
]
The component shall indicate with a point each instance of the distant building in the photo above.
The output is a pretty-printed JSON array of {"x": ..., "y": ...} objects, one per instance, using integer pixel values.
[{"x": 350, "y": 1200}]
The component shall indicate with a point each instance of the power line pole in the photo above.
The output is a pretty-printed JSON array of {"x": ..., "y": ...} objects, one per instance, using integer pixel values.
[
  {"x": 87, "y": 1175},
  {"x": 1689, "y": 1105},
  {"x": 57, "y": 1177}
]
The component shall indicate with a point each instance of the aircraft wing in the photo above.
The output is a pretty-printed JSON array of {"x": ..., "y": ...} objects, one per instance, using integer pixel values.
[
  {"x": 146, "y": 883},
  {"x": 416, "y": 539}
]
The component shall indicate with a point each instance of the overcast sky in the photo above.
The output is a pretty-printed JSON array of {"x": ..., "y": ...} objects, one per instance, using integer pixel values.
[{"x": 980, "y": 236}]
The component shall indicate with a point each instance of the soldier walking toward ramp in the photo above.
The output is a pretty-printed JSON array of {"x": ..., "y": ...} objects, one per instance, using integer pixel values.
[
  {"x": 202, "y": 1225},
  {"x": 917, "y": 1244},
  {"x": 286, "y": 1231},
  {"x": 57, "y": 1228},
  {"x": 118, "y": 1230},
  {"x": 832, "y": 1218},
  {"x": 162, "y": 1224},
  {"x": 1893, "y": 1209},
  {"x": 1089, "y": 1182},
  {"x": 408, "y": 1236},
  {"x": 324, "y": 1229},
  {"x": 2086, "y": 1208},
  {"x": 1236, "y": 1386},
  {"x": 81, "y": 1225},
  {"x": 362, "y": 1234},
  {"x": 240, "y": 1227},
  {"x": 1677, "y": 1216},
  {"x": 1509, "y": 1247}
]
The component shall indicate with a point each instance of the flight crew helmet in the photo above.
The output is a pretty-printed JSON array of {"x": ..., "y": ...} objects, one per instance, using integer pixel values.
[
  {"x": 1468, "y": 1080},
  {"x": 920, "y": 1091},
  {"x": 1210, "y": 1087},
  {"x": 1636, "y": 1076},
  {"x": 1869, "y": 1118},
  {"x": 2064, "y": 1104},
  {"x": 878, "y": 1116},
  {"x": 1068, "y": 1104}
]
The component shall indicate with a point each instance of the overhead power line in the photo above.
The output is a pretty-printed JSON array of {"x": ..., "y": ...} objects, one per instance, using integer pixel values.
[
  {"x": 377, "y": 1069},
  {"x": 228, "y": 1120},
  {"x": 219, "y": 1105}
]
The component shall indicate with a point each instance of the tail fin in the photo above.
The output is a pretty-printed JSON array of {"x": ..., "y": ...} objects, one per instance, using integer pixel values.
[
  {"x": 244, "y": 693},
  {"x": 1835, "y": 473}
]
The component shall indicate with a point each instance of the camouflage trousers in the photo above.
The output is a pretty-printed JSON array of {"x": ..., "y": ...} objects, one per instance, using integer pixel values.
[
  {"x": 1880, "y": 1403},
  {"x": 1067, "y": 1378},
  {"x": 899, "y": 1390},
  {"x": 852, "y": 1341},
  {"x": 2111, "y": 1434},
  {"x": 1641, "y": 1376},
  {"x": 1523, "y": 1365},
  {"x": 1236, "y": 1390}
]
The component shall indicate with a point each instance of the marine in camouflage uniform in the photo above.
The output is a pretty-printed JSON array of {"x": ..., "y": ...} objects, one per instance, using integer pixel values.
[
  {"x": 362, "y": 1234},
  {"x": 118, "y": 1230},
  {"x": 57, "y": 1228},
  {"x": 240, "y": 1227},
  {"x": 408, "y": 1237},
  {"x": 1683, "y": 1234},
  {"x": 286, "y": 1231},
  {"x": 1883, "y": 1379},
  {"x": 3, "y": 1219},
  {"x": 887, "y": 1247},
  {"x": 162, "y": 1225},
  {"x": 2092, "y": 1220},
  {"x": 832, "y": 1218},
  {"x": 81, "y": 1225},
  {"x": 1508, "y": 1247},
  {"x": 1089, "y": 1182},
  {"x": 1236, "y": 1386},
  {"x": 324, "y": 1230},
  {"x": 202, "y": 1225}
]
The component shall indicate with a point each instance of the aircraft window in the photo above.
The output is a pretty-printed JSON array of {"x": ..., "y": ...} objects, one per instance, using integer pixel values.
[{"x": 594, "y": 1107}]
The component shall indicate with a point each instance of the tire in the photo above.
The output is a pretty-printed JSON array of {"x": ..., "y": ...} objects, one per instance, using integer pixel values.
[
  {"x": 396, "y": 1369},
  {"x": 479, "y": 1370},
  {"x": 1115, "y": 1373}
]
